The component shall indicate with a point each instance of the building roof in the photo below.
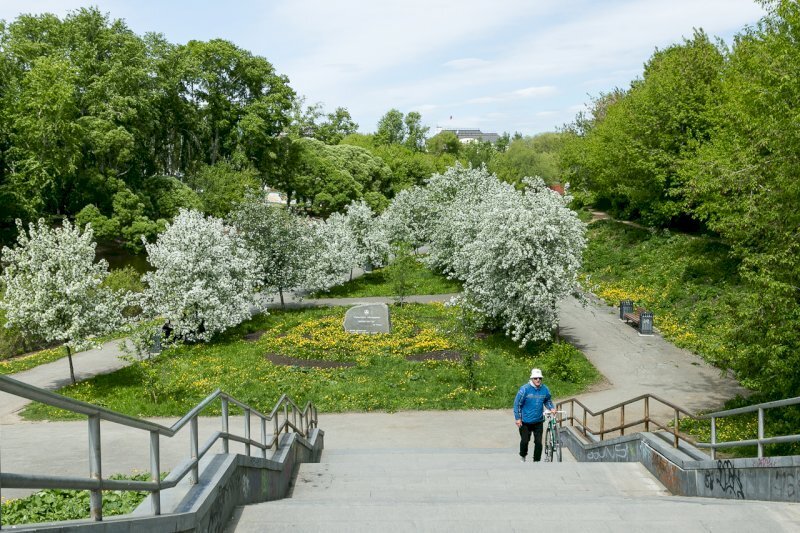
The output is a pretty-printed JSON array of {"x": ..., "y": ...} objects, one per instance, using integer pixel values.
[{"x": 466, "y": 135}]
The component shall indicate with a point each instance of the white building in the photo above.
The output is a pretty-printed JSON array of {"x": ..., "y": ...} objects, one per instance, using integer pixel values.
[{"x": 468, "y": 135}]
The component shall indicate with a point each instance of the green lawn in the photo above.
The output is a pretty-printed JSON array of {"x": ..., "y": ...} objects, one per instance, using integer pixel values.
[
  {"x": 379, "y": 283},
  {"x": 380, "y": 376},
  {"x": 20, "y": 363}
]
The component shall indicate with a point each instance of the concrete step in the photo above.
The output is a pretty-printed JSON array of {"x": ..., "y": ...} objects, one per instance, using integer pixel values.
[{"x": 490, "y": 490}]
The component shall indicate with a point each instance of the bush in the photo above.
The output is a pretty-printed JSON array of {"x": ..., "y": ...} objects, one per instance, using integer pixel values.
[
  {"x": 52, "y": 505},
  {"x": 126, "y": 279}
]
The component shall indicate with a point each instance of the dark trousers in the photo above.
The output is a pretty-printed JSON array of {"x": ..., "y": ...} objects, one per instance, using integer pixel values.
[{"x": 525, "y": 431}]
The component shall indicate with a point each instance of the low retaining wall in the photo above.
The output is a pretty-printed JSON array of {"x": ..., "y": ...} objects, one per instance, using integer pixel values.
[
  {"x": 226, "y": 482},
  {"x": 767, "y": 478}
]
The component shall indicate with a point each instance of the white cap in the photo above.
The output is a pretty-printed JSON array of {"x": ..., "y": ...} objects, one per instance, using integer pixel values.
[{"x": 536, "y": 373}]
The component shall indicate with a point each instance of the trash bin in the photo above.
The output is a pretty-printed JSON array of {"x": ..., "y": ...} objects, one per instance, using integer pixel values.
[
  {"x": 625, "y": 306},
  {"x": 646, "y": 323}
]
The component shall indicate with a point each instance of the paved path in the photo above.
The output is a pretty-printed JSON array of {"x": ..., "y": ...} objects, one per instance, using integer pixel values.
[{"x": 630, "y": 363}]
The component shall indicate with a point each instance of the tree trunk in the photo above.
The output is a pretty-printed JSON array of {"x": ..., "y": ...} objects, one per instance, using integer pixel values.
[
  {"x": 283, "y": 305},
  {"x": 71, "y": 367}
]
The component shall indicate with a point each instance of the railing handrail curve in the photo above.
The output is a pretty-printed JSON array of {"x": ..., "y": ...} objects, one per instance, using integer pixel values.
[
  {"x": 96, "y": 483},
  {"x": 751, "y": 408},
  {"x": 628, "y": 402}
]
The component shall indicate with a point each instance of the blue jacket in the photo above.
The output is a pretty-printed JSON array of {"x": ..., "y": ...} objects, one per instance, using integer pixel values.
[{"x": 530, "y": 402}]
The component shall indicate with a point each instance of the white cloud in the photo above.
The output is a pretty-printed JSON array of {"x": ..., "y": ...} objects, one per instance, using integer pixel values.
[{"x": 535, "y": 92}]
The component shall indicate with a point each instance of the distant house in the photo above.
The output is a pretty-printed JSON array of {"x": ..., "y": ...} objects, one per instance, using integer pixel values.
[{"x": 468, "y": 135}]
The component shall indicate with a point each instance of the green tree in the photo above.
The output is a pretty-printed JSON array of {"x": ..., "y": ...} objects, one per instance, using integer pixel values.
[
  {"x": 444, "y": 142},
  {"x": 221, "y": 186},
  {"x": 276, "y": 238},
  {"x": 743, "y": 184},
  {"x": 638, "y": 140},
  {"x": 415, "y": 131},
  {"x": 337, "y": 125},
  {"x": 476, "y": 153},
  {"x": 391, "y": 128},
  {"x": 528, "y": 157}
]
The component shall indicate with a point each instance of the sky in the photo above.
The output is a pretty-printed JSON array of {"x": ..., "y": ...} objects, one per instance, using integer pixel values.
[{"x": 523, "y": 66}]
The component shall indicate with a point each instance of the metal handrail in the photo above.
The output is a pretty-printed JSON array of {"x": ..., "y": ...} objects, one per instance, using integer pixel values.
[
  {"x": 646, "y": 419},
  {"x": 760, "y": 441},
  {"x": 95, "y": 483}
]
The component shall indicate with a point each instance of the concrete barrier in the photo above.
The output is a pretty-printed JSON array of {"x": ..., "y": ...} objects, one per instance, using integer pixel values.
[{"x": 683, "y": 474}]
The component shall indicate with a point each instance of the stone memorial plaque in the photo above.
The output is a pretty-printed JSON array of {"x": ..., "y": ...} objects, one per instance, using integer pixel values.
[{"x": 367, "y": 318}]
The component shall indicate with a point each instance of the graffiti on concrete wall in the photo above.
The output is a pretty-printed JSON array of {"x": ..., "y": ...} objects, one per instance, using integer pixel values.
[
  {"x": 764, "y": 462},
  {"x": 784, "y": 485},
  {"x": 725, "y": 478},
  {"x": 618, "y": 452}
]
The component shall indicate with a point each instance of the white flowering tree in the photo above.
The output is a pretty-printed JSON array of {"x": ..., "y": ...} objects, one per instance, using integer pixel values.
[
  {"x": 53, "y": 287},
  {"x": 275, "y": 237},
  {"x": 517, "y": 253},
  {"x": 333, "y": 253},
  {"x": 457, "y": 202},
  {"x": 204, "y": 279},
  {"x": 524, "y": 258},
  {"x": 407, "y": 218},
  {"x": 372, "y": 244}
]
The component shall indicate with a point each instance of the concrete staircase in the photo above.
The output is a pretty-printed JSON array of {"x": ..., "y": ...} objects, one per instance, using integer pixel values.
[{"x": 490, "y": 490}]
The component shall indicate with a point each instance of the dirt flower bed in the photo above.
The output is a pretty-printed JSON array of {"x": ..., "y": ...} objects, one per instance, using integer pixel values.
[{"x": 252, "y": 337}]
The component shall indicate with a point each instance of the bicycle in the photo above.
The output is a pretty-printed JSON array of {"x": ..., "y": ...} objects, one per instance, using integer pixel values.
[{"x": 552, "y": 440}]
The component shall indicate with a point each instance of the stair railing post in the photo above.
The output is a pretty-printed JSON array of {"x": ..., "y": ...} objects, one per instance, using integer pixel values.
[
  {"x": 713, "y": 437},
  {"x": 572, "y": 413},
  {"x": 647, "y": 413},
  {"x": 155, "y": 472},
  {"x": 286, "y": 417},
  {"x": 760, "y": 432},
  {"x": 584, "y": 421},
  {"x": 675, "y": 428},
  {"x": 247, "y": 432},
  {"x": 225, "y": 440},
  {"x": 264, "y": 438},
  {"x": 602, "y": 425},
  {"x": 277, "y": 429},
  {"x": 95, "y": 469},
  {"x": 622, "y": 420},
  {"x": 194, "y": 478}
]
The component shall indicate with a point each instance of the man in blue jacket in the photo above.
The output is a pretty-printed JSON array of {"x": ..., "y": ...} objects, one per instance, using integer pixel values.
[{"x": 529, "y": 406}]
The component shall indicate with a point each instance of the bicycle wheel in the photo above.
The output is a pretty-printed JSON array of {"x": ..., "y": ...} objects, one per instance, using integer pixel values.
[{"x": 548, "y": 445}]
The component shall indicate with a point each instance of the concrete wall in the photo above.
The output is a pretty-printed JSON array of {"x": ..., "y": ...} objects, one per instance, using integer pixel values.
[
  {"x": 226, "y": 482},
  {"x": 768, "y": 478}
]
